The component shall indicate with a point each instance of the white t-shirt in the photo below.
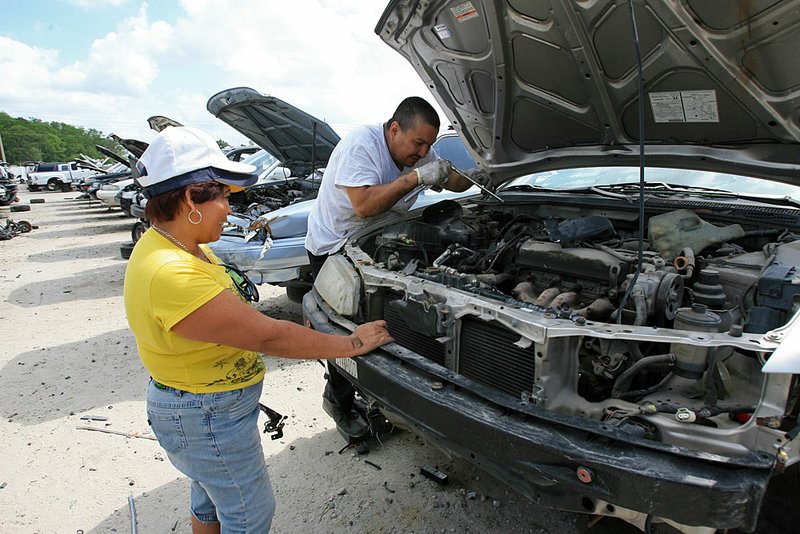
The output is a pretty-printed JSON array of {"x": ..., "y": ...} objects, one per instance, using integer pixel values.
[{"x": 362, "y": 158}]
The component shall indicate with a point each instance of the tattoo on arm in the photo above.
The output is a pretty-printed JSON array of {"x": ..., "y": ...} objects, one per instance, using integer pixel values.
[{"x": 357, "y": 343}]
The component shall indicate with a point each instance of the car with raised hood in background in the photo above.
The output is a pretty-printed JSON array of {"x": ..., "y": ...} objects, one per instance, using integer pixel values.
[{"x": 614, "y": 329}]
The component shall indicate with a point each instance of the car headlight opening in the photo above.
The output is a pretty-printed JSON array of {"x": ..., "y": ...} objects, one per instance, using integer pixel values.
[{"x": 339, "y": 285}]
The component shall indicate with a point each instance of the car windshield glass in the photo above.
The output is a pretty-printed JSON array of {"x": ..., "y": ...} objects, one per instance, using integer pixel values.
[
  {"x": 453, "y": 149},
  {"x": 262, "y": 159},
  {"x": 582, "y": 178}
]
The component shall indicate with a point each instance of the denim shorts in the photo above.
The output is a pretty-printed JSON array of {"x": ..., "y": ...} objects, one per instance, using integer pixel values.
[{"x": 213, "y": 439}]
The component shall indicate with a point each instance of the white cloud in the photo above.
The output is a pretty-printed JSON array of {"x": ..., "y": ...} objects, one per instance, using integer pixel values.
[
  {"x": 24, "y": 66},
  {"x": 319, "y": 55},
  {"x": 123, "y": 62}
]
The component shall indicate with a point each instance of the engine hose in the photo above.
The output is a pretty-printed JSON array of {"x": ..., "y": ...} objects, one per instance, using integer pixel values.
[
  {"x": 685, "y": 262},
  {"x": 623, "y": 381},
  {"x": 629, "y": 395},
  {"x": 640, "y": 303}
]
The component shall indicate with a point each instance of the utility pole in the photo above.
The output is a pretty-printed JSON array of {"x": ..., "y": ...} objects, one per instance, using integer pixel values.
[{"x": 2, "y": 152}]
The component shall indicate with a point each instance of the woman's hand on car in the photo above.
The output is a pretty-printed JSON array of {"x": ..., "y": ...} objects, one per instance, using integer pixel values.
[{"x": 370, "y": 336}]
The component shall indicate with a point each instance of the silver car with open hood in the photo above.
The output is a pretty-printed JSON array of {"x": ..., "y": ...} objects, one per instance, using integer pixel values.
[{"x": 615, "y": 331}]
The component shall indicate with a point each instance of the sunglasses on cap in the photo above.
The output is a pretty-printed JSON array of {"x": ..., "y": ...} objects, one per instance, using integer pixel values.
[{"x": 247, "y": 289}]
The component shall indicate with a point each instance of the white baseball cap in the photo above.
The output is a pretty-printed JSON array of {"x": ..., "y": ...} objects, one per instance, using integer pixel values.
[{"x": 181, "y": 155}]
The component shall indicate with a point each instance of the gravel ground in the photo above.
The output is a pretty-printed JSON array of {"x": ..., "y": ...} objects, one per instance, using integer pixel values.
[{"x": 68, "y": 366}]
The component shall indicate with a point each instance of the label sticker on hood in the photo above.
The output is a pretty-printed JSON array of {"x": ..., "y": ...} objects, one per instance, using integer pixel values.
[
  {"x": 685, "y": 106},
  {"x": 464, "y": 11},
  {"x": 442, "y": 31}
]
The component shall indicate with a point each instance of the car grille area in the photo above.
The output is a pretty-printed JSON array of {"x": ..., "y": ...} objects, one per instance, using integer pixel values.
[
  {"x": 408, "y": 337},
  {"x": 487, "y": 352},
  {"x": 488, "y": 355}
]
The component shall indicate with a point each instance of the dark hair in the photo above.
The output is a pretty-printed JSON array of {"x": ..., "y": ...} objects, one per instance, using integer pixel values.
[
  {"x": 165, "y": 207},
  {"x": 413, "y": 109}
]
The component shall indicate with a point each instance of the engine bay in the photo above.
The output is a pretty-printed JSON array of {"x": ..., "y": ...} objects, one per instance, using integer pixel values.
[{"x": 698, "y": 275}]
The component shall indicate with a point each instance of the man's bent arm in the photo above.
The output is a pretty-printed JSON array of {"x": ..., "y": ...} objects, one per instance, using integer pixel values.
[{"x": 372, "y": 200}]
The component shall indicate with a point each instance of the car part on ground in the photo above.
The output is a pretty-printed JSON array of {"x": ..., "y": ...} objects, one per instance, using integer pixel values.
[
  {"x": 12, "y": 229},
  {"x": 597, "y": 339},
  {"x": 126, "y": 249}
]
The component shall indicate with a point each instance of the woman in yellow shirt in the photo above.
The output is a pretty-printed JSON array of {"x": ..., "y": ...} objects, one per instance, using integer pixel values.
[{"x": 200, "y": 339}]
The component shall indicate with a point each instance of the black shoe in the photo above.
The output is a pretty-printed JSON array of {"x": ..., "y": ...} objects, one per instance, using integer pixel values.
[{"x": 350, "y": 424}]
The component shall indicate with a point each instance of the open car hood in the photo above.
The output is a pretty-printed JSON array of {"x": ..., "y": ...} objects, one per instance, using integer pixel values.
[
  {"x": 532, "y": 86},
  {"x": 160, "y": 122},
  {"x": 300, "y": 141},
  {"x": 134, "y": 146},
  {"x": 113, "y": 155}
]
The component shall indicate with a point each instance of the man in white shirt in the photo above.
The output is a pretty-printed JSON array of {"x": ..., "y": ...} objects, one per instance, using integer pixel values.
[{"x": 371, "y": 171}]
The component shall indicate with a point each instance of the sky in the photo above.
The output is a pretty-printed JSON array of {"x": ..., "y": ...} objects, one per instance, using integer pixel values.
[{"x": 110, "y": 64}]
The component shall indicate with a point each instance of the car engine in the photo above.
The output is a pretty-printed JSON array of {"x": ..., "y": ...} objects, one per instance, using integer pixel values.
[{"x": 695, "y": 277}]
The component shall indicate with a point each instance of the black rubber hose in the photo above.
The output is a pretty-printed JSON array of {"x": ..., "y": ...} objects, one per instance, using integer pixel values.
[{"x": 623, "y": 381}]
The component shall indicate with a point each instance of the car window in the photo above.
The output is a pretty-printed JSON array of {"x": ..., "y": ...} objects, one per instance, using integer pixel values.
[
  {"x": 580, "y": 178},
  {"x": 452, "y": 148},
  {"x": 262, "y": 160}
]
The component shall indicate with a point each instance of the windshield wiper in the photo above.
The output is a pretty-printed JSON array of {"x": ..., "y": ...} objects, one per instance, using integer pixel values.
[
  {"x": 662, "y": 188},
  {"x": 665, "y": 188},
  {"x": 540, "y": 189}
]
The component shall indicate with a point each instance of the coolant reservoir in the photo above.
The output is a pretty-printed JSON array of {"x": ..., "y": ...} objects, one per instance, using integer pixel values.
[
  {"x": 691, "y": 361},
  {"x": 669, "y": 233}
]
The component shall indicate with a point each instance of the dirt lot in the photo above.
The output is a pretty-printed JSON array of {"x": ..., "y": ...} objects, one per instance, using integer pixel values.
[{"x": 67, "y": 354}]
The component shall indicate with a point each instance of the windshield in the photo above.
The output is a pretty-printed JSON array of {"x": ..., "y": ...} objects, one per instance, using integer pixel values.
[
  {"x": 581, "y": 178},
  {"x": 452, "y": 148},
  {"x": 262, "y": 159}
]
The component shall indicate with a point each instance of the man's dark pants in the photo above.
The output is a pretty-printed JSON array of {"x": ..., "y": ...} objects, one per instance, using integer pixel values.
[{"x": 338, "y": 389}]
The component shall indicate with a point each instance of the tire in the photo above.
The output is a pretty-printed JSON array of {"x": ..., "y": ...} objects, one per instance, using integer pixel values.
[
  {"x": 138, "y": 230},
  {"x": 37, "y": 201},
  {"x": 296, "y": 289},
  {"x": 20, "y": 207},
  {"x": 24, "y": 226},
  {"x": 126, "y": 249},
  {"x": 54, "y": 184}
]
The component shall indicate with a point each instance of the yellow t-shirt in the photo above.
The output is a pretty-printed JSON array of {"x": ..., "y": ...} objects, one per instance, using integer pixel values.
[{"x": 163, "y": 285}]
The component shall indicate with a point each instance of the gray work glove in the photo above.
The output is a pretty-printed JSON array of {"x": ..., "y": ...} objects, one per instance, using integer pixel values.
[
  {"x": 479, "y": 177},
  {"x": 434, "y": 173}
]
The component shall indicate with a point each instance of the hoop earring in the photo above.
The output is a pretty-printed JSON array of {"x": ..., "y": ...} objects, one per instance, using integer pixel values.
[{"x": 199, "y": 215}]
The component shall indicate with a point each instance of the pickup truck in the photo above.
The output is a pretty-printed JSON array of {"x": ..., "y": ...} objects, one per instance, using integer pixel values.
[{"x": 54, "y": 176}]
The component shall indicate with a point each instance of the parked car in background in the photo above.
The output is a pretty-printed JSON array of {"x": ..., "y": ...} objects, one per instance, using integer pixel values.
[
  {"x": 109, "y": 193},
  {"x": 616, "y": 332},
  {"x": 55, "y": 176},
  {"x": 8, "y": 186}
]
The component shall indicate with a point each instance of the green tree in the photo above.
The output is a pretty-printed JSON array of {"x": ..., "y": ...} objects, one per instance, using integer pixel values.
[{"x": 34, "y": 140}]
